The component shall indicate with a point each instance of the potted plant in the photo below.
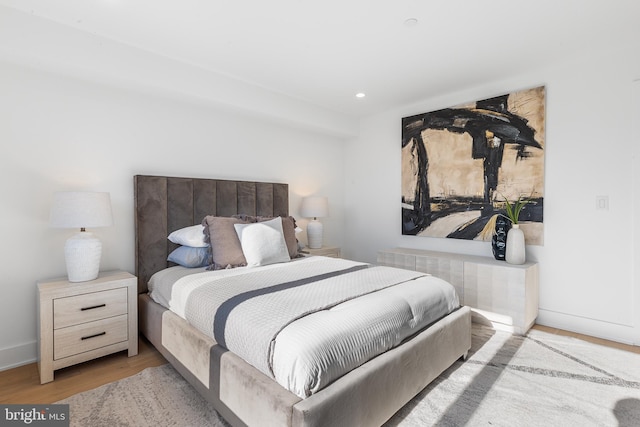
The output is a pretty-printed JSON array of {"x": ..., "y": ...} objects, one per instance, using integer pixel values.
[
  {"x": 506, "y": 244},
  {"x": 515, "y": 251},
  {"x": 513, "y": 209}
]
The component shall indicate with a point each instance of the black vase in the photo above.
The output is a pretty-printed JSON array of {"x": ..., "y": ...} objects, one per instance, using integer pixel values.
[{"x": 499, "y": 239}]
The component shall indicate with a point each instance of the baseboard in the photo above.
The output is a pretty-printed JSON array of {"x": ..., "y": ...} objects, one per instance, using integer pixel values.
[
  {"x": 19, "y": 355},
  {"x": 625, "y": 334}
]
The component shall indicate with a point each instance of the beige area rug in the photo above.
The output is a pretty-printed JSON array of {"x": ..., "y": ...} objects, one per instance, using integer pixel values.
[
  {"x": 537, "y": 380},
  {"x": 155, "y": 397}
]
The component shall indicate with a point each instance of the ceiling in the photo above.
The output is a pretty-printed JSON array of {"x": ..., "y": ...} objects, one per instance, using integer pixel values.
[{"x": 324, "y": 52}]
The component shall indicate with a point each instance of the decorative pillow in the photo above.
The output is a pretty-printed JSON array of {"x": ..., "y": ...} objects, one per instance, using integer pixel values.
[
  {"x": 226, "y": 251},
  {"x": 192, "y": 236},
  {"x": 288, "y": 228},
  {"x": 263, "y": 242},
  {"x": 190, "y": 257}
]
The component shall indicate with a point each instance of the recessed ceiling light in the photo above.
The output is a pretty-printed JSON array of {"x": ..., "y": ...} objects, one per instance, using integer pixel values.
[
  {"x": 360, "y": 95},
  {"x": 410, "y": 22}
]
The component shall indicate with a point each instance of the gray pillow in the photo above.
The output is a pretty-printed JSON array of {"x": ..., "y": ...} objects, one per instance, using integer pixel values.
[
  {"x": 190, "y": 257},
  {"x": 226, "y": 251}
]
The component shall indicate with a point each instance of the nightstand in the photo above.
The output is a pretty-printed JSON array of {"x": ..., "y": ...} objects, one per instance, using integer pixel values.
[
  {"x": 80, "y": 321},
  {"x": 330, "y": 251}
]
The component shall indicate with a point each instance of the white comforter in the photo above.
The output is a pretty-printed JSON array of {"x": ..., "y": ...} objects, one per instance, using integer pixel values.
[{"x": 322, "y": 346}]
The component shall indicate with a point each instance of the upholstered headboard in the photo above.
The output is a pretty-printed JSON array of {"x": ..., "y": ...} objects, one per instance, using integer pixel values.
[{"x": 165, "y": 204}]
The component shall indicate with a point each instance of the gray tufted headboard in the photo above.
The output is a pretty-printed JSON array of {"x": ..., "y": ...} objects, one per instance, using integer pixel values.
[{"x": 164, "y": 204}]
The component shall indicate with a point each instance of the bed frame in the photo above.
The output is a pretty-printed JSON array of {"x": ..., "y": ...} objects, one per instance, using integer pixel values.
[{"x": 367, "y": 396}]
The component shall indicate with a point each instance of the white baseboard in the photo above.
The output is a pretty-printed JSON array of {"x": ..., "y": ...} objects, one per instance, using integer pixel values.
[
  {"x": 626, "y": 334},
  {"x": 19, "y": 355}
]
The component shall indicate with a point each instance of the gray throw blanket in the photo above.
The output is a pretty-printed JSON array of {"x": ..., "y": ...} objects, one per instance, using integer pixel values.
[{"x": 245, "y": 313}]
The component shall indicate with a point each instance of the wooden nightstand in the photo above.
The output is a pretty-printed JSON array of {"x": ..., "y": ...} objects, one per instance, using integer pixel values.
[
  {"x": 84, "y": 320},
  {"x": 330, "y": 251}
]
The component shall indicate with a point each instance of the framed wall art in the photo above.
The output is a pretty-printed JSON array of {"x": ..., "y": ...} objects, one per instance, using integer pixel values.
[{"x": 460, "y": 164}]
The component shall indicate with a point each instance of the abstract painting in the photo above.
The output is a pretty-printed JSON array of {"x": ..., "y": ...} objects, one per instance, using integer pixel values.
[{"x": 460, "y": 164}]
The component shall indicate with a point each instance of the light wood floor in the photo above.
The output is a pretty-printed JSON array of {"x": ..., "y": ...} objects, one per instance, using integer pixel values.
[
  {"x": 600, "y": 341},
  {"x": 22, "y": 384}
]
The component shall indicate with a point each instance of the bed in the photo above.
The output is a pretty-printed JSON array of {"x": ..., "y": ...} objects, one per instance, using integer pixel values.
[{"x": 367, "y": 395}]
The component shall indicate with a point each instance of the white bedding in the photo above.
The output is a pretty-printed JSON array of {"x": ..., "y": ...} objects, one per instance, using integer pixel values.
[{"x": 320, "y": 347}]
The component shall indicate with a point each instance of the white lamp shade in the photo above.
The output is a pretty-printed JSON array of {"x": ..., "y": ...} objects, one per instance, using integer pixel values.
[
  {"x": 80, "y": 209},
  {"x": 314, "y": 207}
]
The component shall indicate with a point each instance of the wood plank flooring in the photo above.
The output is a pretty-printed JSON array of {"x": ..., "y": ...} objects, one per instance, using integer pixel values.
[
  {"x": 22, "y": 384},
  {"x": 594, "y": 340}
]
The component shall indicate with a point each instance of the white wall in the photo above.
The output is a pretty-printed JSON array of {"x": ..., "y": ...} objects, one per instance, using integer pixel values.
[
  {"x": 60, "y": 133},
  {"x": 63, "y": 133},
  {"x": 586, "y": 263},
  {"x": 636, "y": 202},
  {"x": 30, "y": 40}
]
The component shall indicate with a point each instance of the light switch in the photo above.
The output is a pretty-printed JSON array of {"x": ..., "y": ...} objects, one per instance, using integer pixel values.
[{"x": 602, "y": 203}]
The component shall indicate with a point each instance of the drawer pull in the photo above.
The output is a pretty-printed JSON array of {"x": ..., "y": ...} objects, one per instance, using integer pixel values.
[
  {"x": 92, "y": 307},
  {"x": 94, "y": 335}
]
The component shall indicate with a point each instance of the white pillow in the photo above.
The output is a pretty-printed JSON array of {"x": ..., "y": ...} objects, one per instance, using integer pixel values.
[
  {"x": 189, "y": 236},
  {"x": 263, "y": 242}
]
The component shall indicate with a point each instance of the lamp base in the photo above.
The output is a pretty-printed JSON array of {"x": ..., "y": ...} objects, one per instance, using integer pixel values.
[
  {"x": 314, "y": 234},
  {"x": 82, "y": 253}
]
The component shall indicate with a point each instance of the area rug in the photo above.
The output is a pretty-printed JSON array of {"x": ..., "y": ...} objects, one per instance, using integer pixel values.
[
  {"x": 541, "y": 379},
  {"x": 156, "y": 397}
]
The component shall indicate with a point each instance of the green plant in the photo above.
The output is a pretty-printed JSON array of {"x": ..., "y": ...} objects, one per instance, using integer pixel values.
[{"x": 513, "y": 208}]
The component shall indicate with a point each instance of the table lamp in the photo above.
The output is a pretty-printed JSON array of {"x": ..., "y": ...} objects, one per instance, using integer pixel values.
[
  {"x": 81, "y": 209},
  {"x": 314, "y": 207}
]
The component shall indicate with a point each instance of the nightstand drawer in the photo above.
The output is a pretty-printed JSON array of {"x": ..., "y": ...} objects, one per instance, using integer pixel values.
[
  {"x": 84, "y": 308},
  {"x": 89, "y": 336},
  {"x": 328, "y": 251}
]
